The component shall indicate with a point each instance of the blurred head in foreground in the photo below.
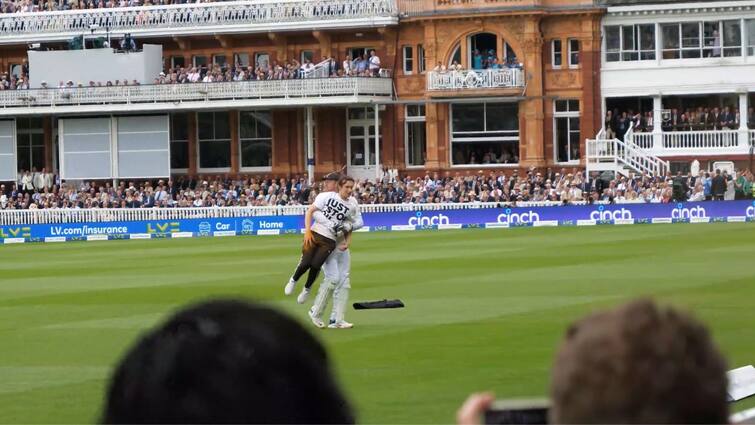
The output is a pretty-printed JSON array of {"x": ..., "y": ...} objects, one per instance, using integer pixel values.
[
  {"x": 639, "y": 363},
  {"x": 226, "y": 362}
]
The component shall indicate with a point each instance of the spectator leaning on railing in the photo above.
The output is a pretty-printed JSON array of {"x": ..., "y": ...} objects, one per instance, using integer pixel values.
[
  {"x": 288, "y": 70},
  {"x": 40, "y": 190},
  {"x": 699, "y": 118}
]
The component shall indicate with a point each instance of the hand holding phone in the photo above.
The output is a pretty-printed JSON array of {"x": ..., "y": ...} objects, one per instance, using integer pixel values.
[{"x": 524, "y": 412}]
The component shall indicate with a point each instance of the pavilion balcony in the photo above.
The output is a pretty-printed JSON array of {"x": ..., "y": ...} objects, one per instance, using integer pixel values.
[
  {"x": 193, "y": 19},
  {"x": 171, "y": 97}
]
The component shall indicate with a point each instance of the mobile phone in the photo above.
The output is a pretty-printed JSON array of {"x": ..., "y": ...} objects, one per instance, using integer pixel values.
[{"x": 525, "y": 412}]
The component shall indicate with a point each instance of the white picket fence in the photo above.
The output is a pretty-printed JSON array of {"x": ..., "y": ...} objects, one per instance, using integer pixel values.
[{"x": 55, "y": 216}]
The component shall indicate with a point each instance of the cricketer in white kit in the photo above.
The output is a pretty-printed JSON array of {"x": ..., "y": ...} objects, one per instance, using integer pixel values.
[{"x": 337, "y": 269}]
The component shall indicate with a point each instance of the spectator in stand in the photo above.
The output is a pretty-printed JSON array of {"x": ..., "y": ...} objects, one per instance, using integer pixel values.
[
  {"x": 374, "y": 63},
  {"x": 361, "y": 64},
  {"x": 718, "y": 186},
  {"x": 608, "y": 125},
  {"x": 476, "y": 60}
]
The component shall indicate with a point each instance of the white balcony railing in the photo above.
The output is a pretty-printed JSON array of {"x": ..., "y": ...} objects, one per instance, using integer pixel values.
[
  {"x": 643, "y": 140},
  {"x": 711, "y": 142},
  {"x": 214, "y": 17},
  {"x": 692, "y": 140},
  {"x": 12, "y": 101},
  {"x": 475, "y": 79}
]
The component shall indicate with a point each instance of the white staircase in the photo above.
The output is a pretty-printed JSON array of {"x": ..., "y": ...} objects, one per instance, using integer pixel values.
[
  {"x": 320, "y": 70},
  {"x": 622, "y": 157}
]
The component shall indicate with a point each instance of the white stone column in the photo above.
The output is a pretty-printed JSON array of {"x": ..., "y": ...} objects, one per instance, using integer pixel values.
[
  {"x": 744, "y": 135},
  {"x": 378, "y": 170},
  {"x": 310, "y": 148},
  {"x": 657, "y": 122}
]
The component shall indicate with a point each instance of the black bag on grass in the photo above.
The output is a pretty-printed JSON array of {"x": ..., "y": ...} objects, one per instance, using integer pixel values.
[{"x": 366, "y": 305}]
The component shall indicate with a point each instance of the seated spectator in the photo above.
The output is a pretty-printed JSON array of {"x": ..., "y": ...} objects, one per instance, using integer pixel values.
[
  {"x": 638, "y": 363},
  {"x": 226, "y": 362}
]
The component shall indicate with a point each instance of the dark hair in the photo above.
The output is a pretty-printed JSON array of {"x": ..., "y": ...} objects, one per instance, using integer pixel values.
[
  {"x": 226, "y": 362},
  {"x": 344, "y": 179},
  {"x": 639, "y": 364},
  {"x": 334, "y": 176}
]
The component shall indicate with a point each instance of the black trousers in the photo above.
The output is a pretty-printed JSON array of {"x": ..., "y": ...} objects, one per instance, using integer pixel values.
[{"x": 313, "y": 257}]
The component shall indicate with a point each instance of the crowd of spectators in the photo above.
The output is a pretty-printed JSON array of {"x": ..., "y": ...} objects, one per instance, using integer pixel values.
[
  {"x": 43, "y": 190},
  {"x": 361, "y": 66},
  {"x": 688, "y": 119},
  {"x": 482, "y": 61},
  {"x": 22, "y": 6}
]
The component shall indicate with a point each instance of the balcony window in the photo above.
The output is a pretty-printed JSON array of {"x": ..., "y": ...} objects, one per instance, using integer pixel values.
[
  {"x": 732, "y": 36},
  {"x": 30, "y": 144},
  {"x": 484, "y": 133},
  {"x": 556, "y": 55},
  {"x": 177, "y": 62},
  {"x": 415, "y": 135},
  {"x": 455, "y": 56},
  {"x": 307, "y": 55},
  {"x": 691, "y": 40},
  {"x": 179, "y": 141},
  {"x": 630, "y": 43},
  {"x": 421, "y": 58},
  {"x": 241, "y": 59},
  {"x": 262, "y": 61},
  {"x": 408, "y": 60},
  {"x": 220, "y": 60},
  {"x": 256, "y": 139},
  {"x": 199, "y": 61},
  {"x": 214, "y": 137},
  {"x": 566, "y": 130},
  {"x": 573, "y": 53},
  {"x": 750, "y": 25}
]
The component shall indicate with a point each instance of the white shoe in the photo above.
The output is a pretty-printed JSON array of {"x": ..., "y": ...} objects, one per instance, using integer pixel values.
[
  {"x": 316, "y": 320},
  {"x": 302, "y": 298},
  {"x": 289, "y": 289},
  {"x": 341, "y": 325}
]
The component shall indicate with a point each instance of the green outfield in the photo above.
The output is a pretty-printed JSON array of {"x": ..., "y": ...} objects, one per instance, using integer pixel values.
[{"x": 484, "y": 308}]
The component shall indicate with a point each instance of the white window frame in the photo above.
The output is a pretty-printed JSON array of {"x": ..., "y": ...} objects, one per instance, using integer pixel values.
[
  {"x": 747, "y": 41},
  {"x": 214, "y": 60},
  {"x": 171, "y": 140},
  {"x": 701, "y": 45},
  {"x": 560, "y": 53},
  {"x": 237, "y": 56},
  {"x": 194, "y": 61},
  {"x": 456, "y": 49},
  {"x": 257, "y": 56},
  {"x": 570, "y": 52},
  {"x": 30, "y": 133},
  {"x": 567, "y": 115},
  {"x": 199, "y": 150},
  {"x": 421, "y": 58},
  {"x": 311, "y": 53},
  {"x": 254, "y": 169},
  {"x": 636, "y": 38},
  {"x": 173, "y": 61},
  {"x": 407, "y": 60},
  {"x": 501, "y": 138},
  {"x": 408, "y": 119}
]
